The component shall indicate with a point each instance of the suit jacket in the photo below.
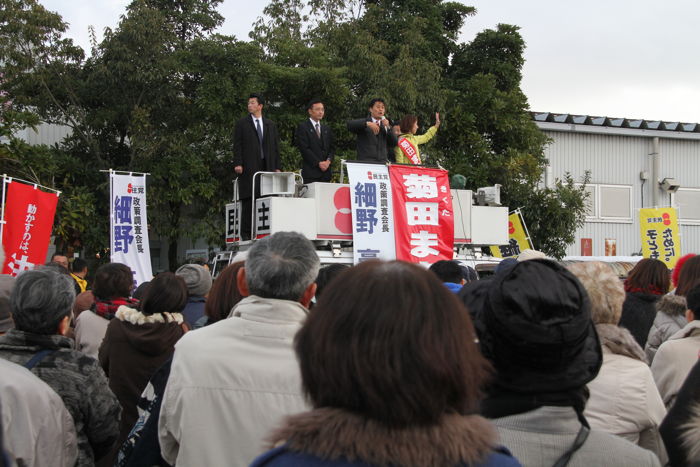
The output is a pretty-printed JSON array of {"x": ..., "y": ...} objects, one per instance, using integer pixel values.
[
  {"x": 371, "y": 147},
  {"x": 314, "y": 150},
  {"x": 246, "y": 152}
]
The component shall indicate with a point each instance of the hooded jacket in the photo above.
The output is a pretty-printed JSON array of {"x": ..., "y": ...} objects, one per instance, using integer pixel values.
[
  {"x": 330, "y": 436},
  {"x": 674, "y": 360},
  {"x": 623, "y": 397},
  {"x": 80, "y": 382},
  {"x": 237, "y": 378},
  {"x": 134, "y": 347}
]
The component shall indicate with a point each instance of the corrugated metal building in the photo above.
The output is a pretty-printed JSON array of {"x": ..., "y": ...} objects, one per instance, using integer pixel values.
[{"x": 619, "y": 153}]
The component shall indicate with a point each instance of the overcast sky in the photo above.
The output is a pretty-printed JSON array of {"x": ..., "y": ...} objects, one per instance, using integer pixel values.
[{"x": 615, "y": 58}]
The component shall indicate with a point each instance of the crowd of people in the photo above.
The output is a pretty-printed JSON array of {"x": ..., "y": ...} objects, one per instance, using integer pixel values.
[{"x": 282, "y": 362}]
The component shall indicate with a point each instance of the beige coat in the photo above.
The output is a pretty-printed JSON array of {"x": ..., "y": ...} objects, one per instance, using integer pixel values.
[
  {"x": 623, "y": 397},
  {"x": 37, "y": 428},
  {"x": 230, "y": 384},
  {"x": 90, "y": 330},
  {"x": 674, "y": 360},
  {"x": 540, "y": 437}
]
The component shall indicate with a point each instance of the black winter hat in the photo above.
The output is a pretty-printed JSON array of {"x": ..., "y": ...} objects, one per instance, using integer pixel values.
[{"x": 535, "y": 327}]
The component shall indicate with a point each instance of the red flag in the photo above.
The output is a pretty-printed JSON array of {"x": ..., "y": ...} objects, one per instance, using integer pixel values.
[
  {"x": 423, "y": 216},
  {"x": 29, "y": 216}
]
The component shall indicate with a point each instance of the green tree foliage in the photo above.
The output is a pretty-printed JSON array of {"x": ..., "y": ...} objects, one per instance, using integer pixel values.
[
  {"x": 553, "y": 214},
  {"x": 167, "y": 92},
  {"x": 39, "y": 71},
  {"x": 161, "y": 92}
]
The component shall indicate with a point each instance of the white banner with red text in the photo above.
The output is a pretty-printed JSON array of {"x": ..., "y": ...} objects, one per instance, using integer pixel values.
[
  {"x": 29, "y": 214},
  {"x": 128, "y": 225},
  {"x": 372, "y": 212},
  {"x": 423, "y": 216}
]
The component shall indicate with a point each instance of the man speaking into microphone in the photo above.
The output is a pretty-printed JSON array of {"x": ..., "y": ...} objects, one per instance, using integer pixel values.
[{"x": 374, "y": 135}]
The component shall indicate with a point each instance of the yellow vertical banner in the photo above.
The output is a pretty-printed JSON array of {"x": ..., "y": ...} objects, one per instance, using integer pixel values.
[
  {"x": 660, "y": 235},
  {"x": 518, "y": 238}
]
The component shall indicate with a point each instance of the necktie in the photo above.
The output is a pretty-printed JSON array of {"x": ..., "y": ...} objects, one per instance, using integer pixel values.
[
  {"x": 260, "y": 137},
  {"x": 318, "y": 130}
]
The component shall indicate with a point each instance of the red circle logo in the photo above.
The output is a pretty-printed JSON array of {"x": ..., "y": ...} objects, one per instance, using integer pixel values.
[
  {"x": 511, "y": 229},
  {"x": 667, "y": 218},
  {"x": 343, "y": 215}
]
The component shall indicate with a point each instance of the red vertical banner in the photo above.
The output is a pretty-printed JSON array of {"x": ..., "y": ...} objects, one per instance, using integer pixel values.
[
  {"x": 423, "y": 215},
  {"x": 29, "y": 214}
]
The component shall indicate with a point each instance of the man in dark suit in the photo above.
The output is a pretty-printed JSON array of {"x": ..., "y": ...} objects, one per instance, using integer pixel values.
[
  {"x": 315, "y": 141},
  {"x": 374, "y": 135},
  {"x": 255, "y": 149}
]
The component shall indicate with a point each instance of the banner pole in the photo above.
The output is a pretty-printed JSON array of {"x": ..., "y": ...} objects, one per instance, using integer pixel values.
[
  {"x": 111, "y": 200},
  {"x": 2, "y": 208},
  {"x": 527, "y": 232},
  {"x": 35, "y": 185}
]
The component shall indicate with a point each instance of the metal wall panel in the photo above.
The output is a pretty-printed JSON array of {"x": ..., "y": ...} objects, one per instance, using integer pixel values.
[
  {"x": 46, "y": 134},
  {"x": 618, "y": 160}
]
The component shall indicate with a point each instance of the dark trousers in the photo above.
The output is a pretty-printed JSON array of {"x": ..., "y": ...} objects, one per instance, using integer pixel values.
[{"x": 246, "y": 212}]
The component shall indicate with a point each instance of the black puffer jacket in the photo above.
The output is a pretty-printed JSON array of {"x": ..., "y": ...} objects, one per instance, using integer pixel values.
[{"x": 638, "y": 314}]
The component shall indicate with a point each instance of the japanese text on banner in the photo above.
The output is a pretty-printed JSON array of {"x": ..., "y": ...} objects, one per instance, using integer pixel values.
[
  {"x": 660, "y": 235},
  {"x": 372, "y": 212},
  {"x": 129, "y": 232},
  {"x": 28, "y": 224},
  {"x": 518, "y": 239},
  {"x": 423, "y": 219}
]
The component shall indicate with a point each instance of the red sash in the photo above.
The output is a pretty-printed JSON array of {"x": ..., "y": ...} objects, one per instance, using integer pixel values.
[{"x": 409, "y": 151}]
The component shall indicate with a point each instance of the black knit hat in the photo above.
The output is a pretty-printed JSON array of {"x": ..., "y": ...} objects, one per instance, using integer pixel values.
[{"x": 535, "y": 327}]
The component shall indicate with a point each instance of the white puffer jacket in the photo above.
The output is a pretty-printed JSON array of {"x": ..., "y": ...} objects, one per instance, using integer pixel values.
[
  {"x": 674, "y": 360},
  {"x": 624, "y": 399},
  {"x": 663, "y": 328}
]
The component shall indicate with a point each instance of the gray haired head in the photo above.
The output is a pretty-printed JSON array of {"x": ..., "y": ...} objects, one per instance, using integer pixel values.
[
  {"x": 40, "y": 300},
  {"x": 281, "y": 266}
]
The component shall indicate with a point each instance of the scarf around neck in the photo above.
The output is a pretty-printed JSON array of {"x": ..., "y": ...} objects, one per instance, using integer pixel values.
[{"x": 108, "y": 308}]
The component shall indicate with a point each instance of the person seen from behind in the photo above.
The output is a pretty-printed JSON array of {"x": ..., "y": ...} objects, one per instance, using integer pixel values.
[
  {"x": 388, "y": 394},
  {"x": 139, "y": 341},
  {"x": 676, "y": 356},
  {"x": 223, "y": 296},
  {"x": 41, "y": 305},
  {"x": 646, "y": 283},
  {"x": 198, "y": 281},
  {"x": 623, "y": 397},
  {"x": 79, "y": 270},
  {"x": 239, "y": 376},
  {"x": 534, "y": 325},
  {"x": 450, "y": 274},
  {"x": 111, "y": 288},
  {"x": 670, "y": 318},
  {"x": 689, "y": 276}
]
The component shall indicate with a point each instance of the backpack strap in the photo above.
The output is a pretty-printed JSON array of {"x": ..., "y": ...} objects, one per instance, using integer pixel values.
[{"x": 39, "y": 356}]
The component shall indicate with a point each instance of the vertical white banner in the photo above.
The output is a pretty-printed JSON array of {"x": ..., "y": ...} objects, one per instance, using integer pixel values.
[
  {"x": 128, "y": 225},
  {"x": 372, "y": 212}
]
